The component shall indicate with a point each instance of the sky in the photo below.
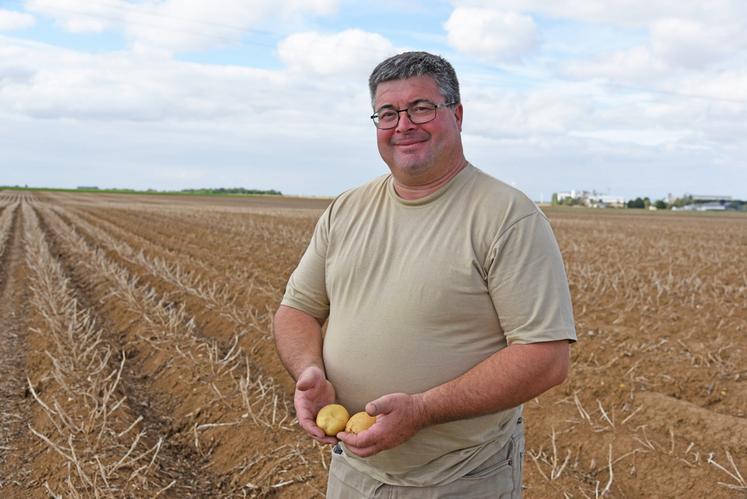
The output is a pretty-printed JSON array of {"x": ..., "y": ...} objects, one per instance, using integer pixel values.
[{"x": 625, "y": 97}]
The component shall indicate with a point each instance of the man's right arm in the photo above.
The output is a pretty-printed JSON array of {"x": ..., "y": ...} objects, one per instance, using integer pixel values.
[{"x": 298, "y": 338}]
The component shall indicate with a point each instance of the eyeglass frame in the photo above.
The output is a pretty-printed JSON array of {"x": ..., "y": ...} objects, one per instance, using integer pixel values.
[{"x": 436, "y": 107}]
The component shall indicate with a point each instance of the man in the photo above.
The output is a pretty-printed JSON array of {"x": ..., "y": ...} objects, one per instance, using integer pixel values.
[{"x": 446, "y": 302}]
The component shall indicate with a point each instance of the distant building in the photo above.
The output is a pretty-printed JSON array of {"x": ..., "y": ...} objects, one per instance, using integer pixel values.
[
  {"x": 605, "y": 201},
  {"x": 702, "y": 207},
  {"x": 699, "y": 198},
  {"x": 592, "y": 199},
  {"x": 704, "y": 202},
  {"x": 571, "y": 194}
]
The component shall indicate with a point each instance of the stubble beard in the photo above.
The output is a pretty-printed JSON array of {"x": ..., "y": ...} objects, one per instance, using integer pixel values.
[{"x": 412, "y": 165}]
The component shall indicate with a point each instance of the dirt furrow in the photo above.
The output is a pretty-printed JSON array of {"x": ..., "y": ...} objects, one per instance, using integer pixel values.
[
  {"x": 217, "y": 402},
  {"x": 96, "y": 441},
  {"x": 178, "y": 464},
  {"x": 14, "y": 404},
  {"x": 188, "y": 249},
  {"x": 220, "y": 311},
  {"x": 250, "y": 243},
  {"x": 246, "y": 252}
]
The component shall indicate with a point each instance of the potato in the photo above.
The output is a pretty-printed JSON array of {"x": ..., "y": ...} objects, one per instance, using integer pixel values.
[
  {"x": 359, "y": 422},
  {"x": 332, "y": 419}
]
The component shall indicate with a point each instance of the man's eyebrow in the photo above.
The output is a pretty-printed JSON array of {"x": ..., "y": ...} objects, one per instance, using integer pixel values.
[
  {"x": 409, "y": 104},
  {"x": 418, "y": 101},
  {"x": 385, "y": 106}
]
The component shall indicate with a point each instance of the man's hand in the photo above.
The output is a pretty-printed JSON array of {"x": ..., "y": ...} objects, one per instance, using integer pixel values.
[
  {"x": 398, "y": 417},
  {"x": 313, "y": 391}
]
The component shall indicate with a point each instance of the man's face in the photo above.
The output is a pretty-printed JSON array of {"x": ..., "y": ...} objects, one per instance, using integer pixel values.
[{"x": 418, "y": 153}]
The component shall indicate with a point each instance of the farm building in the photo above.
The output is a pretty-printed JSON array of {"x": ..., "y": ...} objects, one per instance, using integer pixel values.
[
  {"x": 712, "y": 206},
  {"x": 592, "y": 199},
  {"x": 605, "y": 201},
  {"x": 699, "y": 202}
]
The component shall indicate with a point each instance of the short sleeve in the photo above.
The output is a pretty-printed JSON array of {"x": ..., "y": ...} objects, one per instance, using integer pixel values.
[
  {"x": 306, "y": 289},
  {"x": 528, "y": 284}
]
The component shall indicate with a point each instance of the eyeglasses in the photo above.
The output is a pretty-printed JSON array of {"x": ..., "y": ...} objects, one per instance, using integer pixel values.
[{"x": 419, "y": 113}]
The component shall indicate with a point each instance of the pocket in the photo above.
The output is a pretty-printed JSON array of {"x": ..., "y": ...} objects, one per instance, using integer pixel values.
[
  {"x": 502, "y": 459},
  {"x": 336, "y": 467},
  {"x": 345, "y": 482}
]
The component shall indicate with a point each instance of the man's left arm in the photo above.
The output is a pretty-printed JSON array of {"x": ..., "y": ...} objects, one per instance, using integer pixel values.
[{"x": 504, "y": 380}]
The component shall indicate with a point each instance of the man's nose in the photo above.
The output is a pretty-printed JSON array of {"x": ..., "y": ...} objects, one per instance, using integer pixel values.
[{"x": 404, "y": 122}]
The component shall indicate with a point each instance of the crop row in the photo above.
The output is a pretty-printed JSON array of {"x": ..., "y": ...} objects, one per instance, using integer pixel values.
[
  {"x": 90, "y": 424},
  {"x": 222, "y": 402},
  {"x": 227, "y": 305}
]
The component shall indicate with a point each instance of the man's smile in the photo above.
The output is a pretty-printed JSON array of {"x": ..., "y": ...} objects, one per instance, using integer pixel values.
[{"x": 410, "y": 140}]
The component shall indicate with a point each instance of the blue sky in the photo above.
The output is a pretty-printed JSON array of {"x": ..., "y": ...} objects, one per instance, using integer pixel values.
[{"x": 627, "y": 97}]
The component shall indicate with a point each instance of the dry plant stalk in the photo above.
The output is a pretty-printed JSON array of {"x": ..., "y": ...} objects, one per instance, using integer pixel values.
[
  {"x": 734, "y": 474},
  {"x": 169, "y": 326},
  {"x": 100, "y": 460},
  {"x": 6, "y": 222}
]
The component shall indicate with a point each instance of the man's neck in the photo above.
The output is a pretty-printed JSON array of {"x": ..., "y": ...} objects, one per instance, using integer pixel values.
[{"x": 412, "y": 192}]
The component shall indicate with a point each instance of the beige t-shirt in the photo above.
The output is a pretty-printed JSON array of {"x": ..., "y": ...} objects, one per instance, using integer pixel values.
[{"x": 418, "y": 292}]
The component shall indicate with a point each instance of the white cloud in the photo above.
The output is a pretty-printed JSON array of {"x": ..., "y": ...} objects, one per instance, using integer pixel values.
[
  {"x": 175, "y": 25},
  {"x": 490, "y": 34},
  {"x": 669, "y": 89},
  {"x": 10, "y": 20},
  {"x": 350, "y": 52},
  {"x": 528, "y": 114},
  {"x": 131, "y": 119},
  {"x": 43, "y": 81},
  {"x": 728, "y": 86},
  {"x": 629, "y": 13},
  {"x": 689, "y": 55},
  {"x": 637, "y": 64},
  {"x": 81, "y": 17},
  {"x": 640, "y": 137},
  {"x": 689, "y": 34},
  {"x": 319, "y": 7},
  {"x": 689, "y": 43},
  {"x": 39, "y": 81},
  {"x": 179, "y": 25}
]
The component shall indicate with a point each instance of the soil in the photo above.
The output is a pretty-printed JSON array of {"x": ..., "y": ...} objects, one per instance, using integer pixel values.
[{"x": 183, "y": 288}]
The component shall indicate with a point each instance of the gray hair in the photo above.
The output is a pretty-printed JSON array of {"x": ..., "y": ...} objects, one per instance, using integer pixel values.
[{"x": 411, "y": 64}]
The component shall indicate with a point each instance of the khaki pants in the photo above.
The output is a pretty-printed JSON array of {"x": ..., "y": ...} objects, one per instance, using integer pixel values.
[{"x": 497, "y": 478}]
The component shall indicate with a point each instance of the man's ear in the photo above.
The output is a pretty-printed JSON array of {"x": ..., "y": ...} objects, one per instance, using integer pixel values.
[{"x": 459, "y": 114}]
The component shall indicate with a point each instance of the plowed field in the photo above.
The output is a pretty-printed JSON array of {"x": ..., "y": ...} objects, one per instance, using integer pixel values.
[{"x": 136, "y": 356}]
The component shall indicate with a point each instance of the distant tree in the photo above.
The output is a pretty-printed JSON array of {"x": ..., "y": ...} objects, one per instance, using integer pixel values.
[
  {"x": 232, "y": 190},
  {"x": 636, "y": 203},
  {"x": 555, "y": 201},
  {"x": 737, "y": 205},
  {"x": 661, "y": 204}
]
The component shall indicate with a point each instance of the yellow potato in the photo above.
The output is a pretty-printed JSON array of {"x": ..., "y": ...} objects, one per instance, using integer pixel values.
[
  {"x": 359, "y": 422},
  {"x": 332, "y": 418}
]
